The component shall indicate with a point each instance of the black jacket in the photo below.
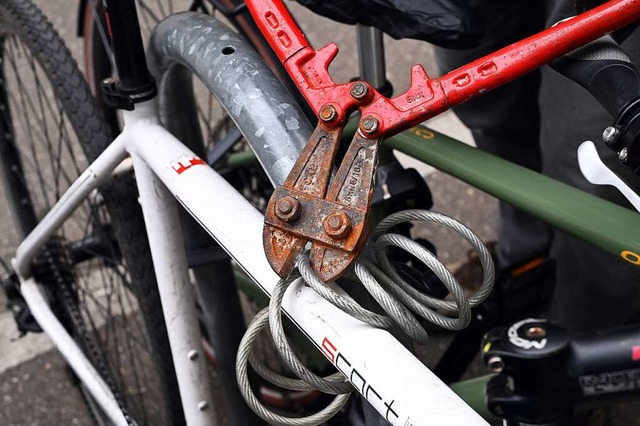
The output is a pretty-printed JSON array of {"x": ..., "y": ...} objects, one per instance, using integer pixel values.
[{"x": 446, "y": 23}]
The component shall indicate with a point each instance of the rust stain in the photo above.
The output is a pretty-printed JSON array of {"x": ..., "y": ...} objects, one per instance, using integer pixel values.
[{"x": 332, "y": 215}]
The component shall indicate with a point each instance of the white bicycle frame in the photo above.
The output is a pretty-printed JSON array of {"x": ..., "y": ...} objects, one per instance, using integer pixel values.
[{"x": 395, "y": 383}]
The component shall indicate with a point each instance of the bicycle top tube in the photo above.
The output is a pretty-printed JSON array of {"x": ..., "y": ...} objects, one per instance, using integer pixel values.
[{"x": 426, "y": 97}]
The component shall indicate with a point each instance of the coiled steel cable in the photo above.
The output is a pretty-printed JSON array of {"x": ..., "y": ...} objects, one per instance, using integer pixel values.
[{"x": 396, "y": 297}]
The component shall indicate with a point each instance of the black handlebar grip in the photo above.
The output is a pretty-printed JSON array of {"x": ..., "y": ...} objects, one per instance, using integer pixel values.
[{"x": 605, "y": 70}]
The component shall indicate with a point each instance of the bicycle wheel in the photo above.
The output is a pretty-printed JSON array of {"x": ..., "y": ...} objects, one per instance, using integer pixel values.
[{"x": 97, "y": 270}]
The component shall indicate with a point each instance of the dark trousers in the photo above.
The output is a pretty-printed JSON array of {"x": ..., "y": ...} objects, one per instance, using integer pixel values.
[{"x": 539, "y": 121}]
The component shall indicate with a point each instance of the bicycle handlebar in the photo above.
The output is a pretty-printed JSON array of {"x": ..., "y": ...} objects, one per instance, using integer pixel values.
[{"x": 604, "y": 70}]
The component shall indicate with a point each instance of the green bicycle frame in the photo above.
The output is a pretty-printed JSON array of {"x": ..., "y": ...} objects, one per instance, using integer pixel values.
[
  {"x": 584, "y": 216},
  {"x": 587, "y": 217}
]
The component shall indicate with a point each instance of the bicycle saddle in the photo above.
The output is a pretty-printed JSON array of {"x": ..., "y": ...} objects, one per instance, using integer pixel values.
[{"x": 446, "y": 23}]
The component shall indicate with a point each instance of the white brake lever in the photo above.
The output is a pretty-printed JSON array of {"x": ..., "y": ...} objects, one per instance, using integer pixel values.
[{"x": 596, "y": 172}]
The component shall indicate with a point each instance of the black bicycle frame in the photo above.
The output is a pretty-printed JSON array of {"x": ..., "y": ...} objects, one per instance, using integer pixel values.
[{"x": 545, "y": 372}]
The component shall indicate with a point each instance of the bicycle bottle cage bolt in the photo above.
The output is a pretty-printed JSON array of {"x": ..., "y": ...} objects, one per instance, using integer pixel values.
[
  {"x": 359, "y": 91},
  {"x": 370, "y": 125},
  {"x": 622, "y": 155},
  {"x": 495, "y": 364},
  {"x": 610, "y": 135},
  {"x": 337, "y": 225},
  {"x": 288, "y": 209},
  {"x": 328, "y": 113}
]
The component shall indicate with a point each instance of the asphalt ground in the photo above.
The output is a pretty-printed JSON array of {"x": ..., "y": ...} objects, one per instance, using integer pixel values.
[{"x": 35, "y": 386}]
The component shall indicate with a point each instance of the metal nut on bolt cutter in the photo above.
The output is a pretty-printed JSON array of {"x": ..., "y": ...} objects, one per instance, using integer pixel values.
[
  {"x": 337, "y": 225},
  {"x": 288, "y": 209}
]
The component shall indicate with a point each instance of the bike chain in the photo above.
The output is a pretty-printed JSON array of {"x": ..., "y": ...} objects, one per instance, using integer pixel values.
[{"x": 52, "y": 268}]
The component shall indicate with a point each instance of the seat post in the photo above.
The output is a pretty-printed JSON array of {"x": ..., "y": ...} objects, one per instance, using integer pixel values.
[{"x": 371, "y": 55}]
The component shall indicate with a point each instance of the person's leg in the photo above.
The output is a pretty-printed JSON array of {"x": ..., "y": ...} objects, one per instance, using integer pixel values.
[
  {"x": 595, "y": 290},
  {"x": 506, "y": 121}
]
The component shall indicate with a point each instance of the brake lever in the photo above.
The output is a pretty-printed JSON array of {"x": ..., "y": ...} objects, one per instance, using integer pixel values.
[{"x": 597, "y": 173}]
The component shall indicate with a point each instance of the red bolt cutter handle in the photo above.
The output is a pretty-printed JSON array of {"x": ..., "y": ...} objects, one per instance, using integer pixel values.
[
  {"x": 427, "y": 97},
  {"x": 335, "y": 221}
]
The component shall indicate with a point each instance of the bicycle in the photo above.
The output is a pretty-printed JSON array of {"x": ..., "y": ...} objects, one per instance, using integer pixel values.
[{"x": 182, "y": 162}]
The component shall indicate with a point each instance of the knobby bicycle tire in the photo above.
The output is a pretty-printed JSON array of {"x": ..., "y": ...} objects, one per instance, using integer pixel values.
[{"x": 97, "y": 270}]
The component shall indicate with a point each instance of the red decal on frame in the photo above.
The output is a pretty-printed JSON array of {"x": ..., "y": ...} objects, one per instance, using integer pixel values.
[
  {"x": 329, "y": 350},
  {"x": 181, "y": 168},
  {"x": 635, "y": 353}
]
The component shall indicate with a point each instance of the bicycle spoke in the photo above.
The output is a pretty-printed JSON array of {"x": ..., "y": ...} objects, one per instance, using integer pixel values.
[
  {"x": 145, "y": 13},
  {"x": 27, "y": 104},
  {"x": 161, "y": 7},
  {"x": 103, "y": 35},
  {"x": 28, "y": 128},
  {"x": 134, "y": 361},
  {"x": 36, "y": 126}
]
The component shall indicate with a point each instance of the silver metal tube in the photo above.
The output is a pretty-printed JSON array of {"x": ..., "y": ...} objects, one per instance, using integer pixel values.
[
  {"x": 371, "y": 55},
  {"x": 276, "y": 129},
  {"x": 266, "y": 114}
]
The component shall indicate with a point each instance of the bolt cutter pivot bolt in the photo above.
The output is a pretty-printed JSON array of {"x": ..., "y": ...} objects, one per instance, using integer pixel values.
[
  {"x": 328, "y": 113},
  {"x": 288, "y": 209},
  {"x": 337, "y": 225},
  {"x": 359, "y": 91},
  {"x": 623, "y": 155},
  {"x": 370, "y": 125}
]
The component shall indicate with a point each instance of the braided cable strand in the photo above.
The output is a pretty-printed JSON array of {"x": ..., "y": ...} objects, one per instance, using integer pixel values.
[
  {"x": 439, "y": 219},
  {"x": 366, "y": 273},
  {"x": 344, "y": 303},
  {"x": 334, "y": 384},
  {"x": 397, "y": 298},
  {"x": 245, "y": 351}
]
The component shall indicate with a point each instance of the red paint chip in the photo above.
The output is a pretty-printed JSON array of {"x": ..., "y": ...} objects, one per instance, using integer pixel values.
[{"x": 635, "y": 353}]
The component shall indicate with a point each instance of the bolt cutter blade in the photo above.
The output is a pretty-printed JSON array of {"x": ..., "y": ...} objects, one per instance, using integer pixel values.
[
  {"x": 289, "y": 208},
  {"x": 351, "y": 188},
  {"x": 281, "y": 249},
  {"x": 332, "y": 216}
]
